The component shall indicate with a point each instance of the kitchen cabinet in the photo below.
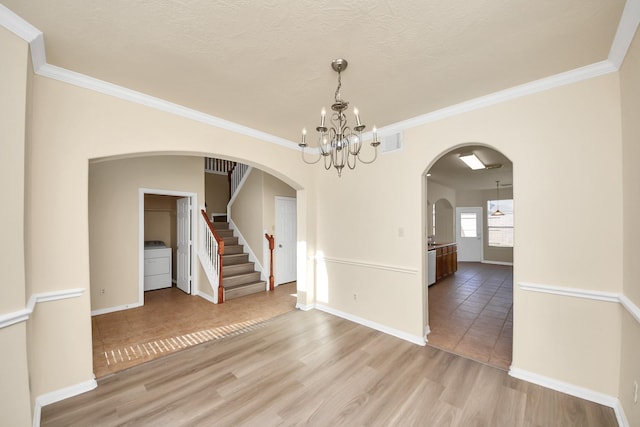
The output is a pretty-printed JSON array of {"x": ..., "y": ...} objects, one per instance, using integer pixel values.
[{"x": 446, "y": 259}]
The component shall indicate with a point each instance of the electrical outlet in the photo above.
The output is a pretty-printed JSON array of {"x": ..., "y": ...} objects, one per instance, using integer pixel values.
[
  {"x": 355, "y": 297},
  {"x": 101, "y": 291},
  {"x": 635, "y": 392}
]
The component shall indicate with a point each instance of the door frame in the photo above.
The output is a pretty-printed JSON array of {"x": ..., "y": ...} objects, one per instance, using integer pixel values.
[{"x": 193, "y": 202}]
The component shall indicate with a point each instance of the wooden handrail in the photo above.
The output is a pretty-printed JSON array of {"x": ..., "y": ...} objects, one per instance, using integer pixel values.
[
  {"x": 220, "y": 253},
  {"x": 271, "y": 241}
]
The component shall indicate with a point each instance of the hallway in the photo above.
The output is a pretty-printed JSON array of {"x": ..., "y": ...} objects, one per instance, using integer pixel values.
[
  {"x": 171, "y": 320},
  {"x": 471, "y": 313}
]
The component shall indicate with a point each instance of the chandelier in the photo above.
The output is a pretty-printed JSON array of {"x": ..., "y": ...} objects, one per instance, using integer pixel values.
[{"x": 339, "y": 144}]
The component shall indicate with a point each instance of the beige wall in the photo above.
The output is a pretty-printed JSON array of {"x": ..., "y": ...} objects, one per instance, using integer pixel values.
[
  {"x": 247, "y": 210},
  {"x": 253, "y": 210},
  {"x": 445, "y": 221},
  {"x": 480, "y": 198},
  {"x": 273, "y": 188},
  {"x": 216, "y": 189},
  {"x": 14, "y": 74},
  {"x": 72, "y": 126},
  {"x": 630, "y": 94},
  {"x": 542, "y": 134},
  {"x": 114, "y": 217}
]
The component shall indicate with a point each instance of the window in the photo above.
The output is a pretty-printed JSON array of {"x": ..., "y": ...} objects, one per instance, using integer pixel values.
[
  {"x": 500, "y": 228},
  {"x": 468, "y": 225}
]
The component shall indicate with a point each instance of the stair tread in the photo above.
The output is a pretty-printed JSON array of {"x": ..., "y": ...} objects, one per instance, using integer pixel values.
[{"x": 246, "y": 285}]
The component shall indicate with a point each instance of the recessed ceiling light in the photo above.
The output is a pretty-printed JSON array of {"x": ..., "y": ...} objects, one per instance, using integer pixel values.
[{"x": 472, "y": 161}]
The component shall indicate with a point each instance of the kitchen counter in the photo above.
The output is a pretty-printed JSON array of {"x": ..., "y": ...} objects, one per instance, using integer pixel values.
[{"x": 435, "y": 246}]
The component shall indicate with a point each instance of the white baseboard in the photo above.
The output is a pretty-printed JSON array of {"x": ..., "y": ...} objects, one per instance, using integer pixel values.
[
  {"x": 58, "y": 395},
  {"x": 206, "y": 296},
  {"x": 486, "y": 261},
  {"x": 114, "y": 309},
  {"x": 304, "y": 307},
  {"x": 573, "y": 390},
  {"x": 373, "y": 325}
]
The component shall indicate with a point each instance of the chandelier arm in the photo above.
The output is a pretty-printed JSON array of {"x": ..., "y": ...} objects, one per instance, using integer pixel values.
[
  {"x": 355, "y": 161},
  {"x": 313, "y": 162},
  {"x": 375, "y": 156},
  {"x": 328, "y": 162}
]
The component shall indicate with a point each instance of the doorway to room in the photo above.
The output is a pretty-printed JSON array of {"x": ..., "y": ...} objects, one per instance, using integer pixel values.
[
  {"x": 166, "y": 248},
  {"x": 470, "y": 307}
]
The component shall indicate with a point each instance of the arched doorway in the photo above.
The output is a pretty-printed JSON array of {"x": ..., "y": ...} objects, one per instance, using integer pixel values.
[{"x": 470, "y": 306}]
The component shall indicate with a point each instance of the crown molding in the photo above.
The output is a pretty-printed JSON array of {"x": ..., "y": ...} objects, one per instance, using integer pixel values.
[
  {"x": 557, "y": 80},
  {"x": 84, "y": 81},
  {"x": 624, "y": 35},
  {"x": 626, "y": 30},
  {"x": 17, "y": 25}
]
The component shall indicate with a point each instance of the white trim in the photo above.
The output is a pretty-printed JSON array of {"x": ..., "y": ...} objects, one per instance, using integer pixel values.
[
  {"x": 427, "y": 331},
  {"x": 207, "y": 297},
  {"x": 252, "y": 257},
  {"x": 114, "y": 309},
  {"x": 58, "y": 395},
  {"x": 86, "y": 82},
  {"x": 304, "y": 307},
  {"x": 17, "y": 25},
  {"x": 9, "y": 319},
  {"x": 571, "y": 292},
  {"x": 393, "y": 268},
  {"x": 485, "y": 261},
  {"x": 626, "y": 30},
  {"x": 240, "y": 185},
  {"x": 573, "y": 390},
  {"x": 633, "y": 309},
  {"x": 558, "y": 80},
  {"x": 622, "y": 299},
  {"x": 373, "y": 325}
]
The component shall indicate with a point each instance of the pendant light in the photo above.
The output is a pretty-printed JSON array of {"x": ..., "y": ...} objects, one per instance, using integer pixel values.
[{"x": 497, "y": 212}]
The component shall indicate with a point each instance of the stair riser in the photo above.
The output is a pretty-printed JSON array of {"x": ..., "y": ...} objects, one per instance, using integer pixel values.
[
  {"x": 245, "y": 290},
  {"x": 233, "y": 269},
  {"x": 230, "y": 241},
  {"x": 236, "y": 259},
  {"x": 240, "y": 280},
  {"x": 231, "y": 250},
  {"x": 220, "y": 225}
]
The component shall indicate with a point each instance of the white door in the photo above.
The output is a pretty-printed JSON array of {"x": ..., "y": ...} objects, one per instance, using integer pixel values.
[
  {"x": 285, "y": 240},
  {"x": 469, "y": 234},
  {"x": 183, "y": 261}
]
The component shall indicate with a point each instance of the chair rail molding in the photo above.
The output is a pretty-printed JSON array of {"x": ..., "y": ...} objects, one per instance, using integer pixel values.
[
  {"x": 619, "y": 298},
  {"x": 9, "y": 319}
]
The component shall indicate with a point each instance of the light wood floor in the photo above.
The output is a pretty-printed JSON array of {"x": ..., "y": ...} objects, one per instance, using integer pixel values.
[
  {"x": 312, "y": 368},
  {"x": 171, "y": 320},
  {"x": 471, "y": 313}
]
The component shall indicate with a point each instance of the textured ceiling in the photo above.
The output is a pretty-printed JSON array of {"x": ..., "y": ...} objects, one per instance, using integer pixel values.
[{"x": 266, "y": 65}]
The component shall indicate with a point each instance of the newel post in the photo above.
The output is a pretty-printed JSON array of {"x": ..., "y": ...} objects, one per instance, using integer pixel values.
[{"x": 271, "y": 241}]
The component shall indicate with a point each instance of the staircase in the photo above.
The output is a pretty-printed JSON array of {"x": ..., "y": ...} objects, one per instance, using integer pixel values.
[{"x": 239, "y": 277}]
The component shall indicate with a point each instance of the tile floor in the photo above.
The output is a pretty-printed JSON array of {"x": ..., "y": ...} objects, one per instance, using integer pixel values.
[
  {"x": 171, "y": 320},
  {"x": 471, "y": 313}
]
